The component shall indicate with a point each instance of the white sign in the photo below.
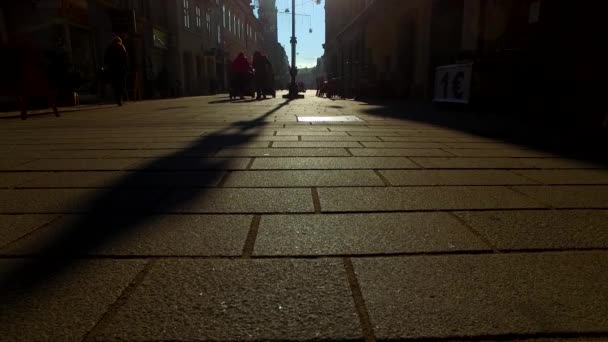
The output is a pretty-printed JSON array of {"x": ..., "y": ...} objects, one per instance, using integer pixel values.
[{"x": 453, "y": 83}]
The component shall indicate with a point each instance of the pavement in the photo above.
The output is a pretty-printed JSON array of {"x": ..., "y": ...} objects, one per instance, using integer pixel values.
[{"x": 203, "y": 219}]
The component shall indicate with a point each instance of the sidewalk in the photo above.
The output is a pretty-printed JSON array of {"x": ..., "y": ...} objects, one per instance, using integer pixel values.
[{"x": 196, "y": 218}]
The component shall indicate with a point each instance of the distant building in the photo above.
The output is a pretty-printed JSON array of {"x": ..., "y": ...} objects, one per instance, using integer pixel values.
[{"x": 268, "y": 16}]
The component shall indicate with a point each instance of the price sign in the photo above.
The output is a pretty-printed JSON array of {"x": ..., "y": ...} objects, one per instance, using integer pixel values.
[{"x": 453, "y": 83}]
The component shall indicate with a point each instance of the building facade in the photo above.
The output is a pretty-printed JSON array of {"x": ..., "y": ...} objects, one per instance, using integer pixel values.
[
  {"x": 176, "y": 47},
  {"x": 533, "y": 53}
]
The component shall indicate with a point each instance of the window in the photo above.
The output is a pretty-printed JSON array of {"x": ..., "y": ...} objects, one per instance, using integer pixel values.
[
  {"x": 197, "y": 11},
  {"x": 208, "y": 25},
  {"x": 229, "y": 21},
  {"x": 224, "y": 14},
  {"x": 219, "y": 35},
  {"x": 187, "y": 13},
  {"x": 238, "y": 28}
]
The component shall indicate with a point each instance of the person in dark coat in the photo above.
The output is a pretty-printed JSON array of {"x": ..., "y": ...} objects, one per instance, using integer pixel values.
[
  {"x": 241, "y": 71},
  {"x": 116, "y": 59},
  {"x": 263, "y": 74}
]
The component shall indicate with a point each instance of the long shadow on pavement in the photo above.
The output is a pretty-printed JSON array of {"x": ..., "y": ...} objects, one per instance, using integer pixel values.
[
  {"x": 113, "y": 213},
  {"x": 562, "y": 139}
]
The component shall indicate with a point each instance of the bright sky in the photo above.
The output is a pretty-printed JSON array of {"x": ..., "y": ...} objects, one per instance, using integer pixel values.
[{"x": 309, "y": 44}]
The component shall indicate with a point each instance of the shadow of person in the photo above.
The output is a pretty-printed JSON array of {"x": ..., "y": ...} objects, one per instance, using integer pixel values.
[{"x": 119, "y": 209}]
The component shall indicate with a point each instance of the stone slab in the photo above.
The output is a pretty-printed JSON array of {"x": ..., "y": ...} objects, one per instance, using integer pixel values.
[
  {"x": 438, "y": 297},
  {"x": 500, "y": 163},
  {"x": 144, "y": 235},
  {"x": 33, "y": 201},
  {"x": 77, "y": 164},
  {"x": 192, "y": 164},
  {"x": 567, "y": 176},
  {"x": 454, "y": 177},
  {"x": 283, "y": 152},
  {"x": 125, "y": 179},
  {"x": 237, "y": 300},
  {"x": 14, "y": 227},
  {"x": 59, "y": 154},
  {"x": 9, "y": 164},
  {"x": 569, "y": 196},
  {"x": 303, "y": 178},
  {"x": 399, "y": 152},
  {"x": 403, "y": 144},
  {"x": 334, "y": 163},
  {"x": 422, "y": 198},
  {"x": 307, "y": 144},
  {"x": 308, "y": 132},
  {"x": 238, "y": 201},
  {"x": 337, "y": 138},
  {"x": 61, "y": 304},
  {"x": 370, "y": 133},
  {"x": 543, "y": 229},
  {"x": 13, "y": 179},
  {"x": 161, "y": 153},
  {"x": 417, "y": 139},
  {"x": 499, "y": 153},
  {"x": 363, "y": 234}
]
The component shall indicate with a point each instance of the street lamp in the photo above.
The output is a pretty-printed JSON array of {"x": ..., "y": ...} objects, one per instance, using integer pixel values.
[{"x": 294, "y": 92}]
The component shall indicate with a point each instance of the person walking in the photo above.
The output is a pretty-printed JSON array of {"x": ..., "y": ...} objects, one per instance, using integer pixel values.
[
  {"x": 264, "y": 75},
  {"x": 116, "y": 59},
  {"x": 240, "y": 74}
]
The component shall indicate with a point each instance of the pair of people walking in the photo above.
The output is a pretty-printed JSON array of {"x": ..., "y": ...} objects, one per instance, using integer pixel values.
[{"x": 259, "y": 71}]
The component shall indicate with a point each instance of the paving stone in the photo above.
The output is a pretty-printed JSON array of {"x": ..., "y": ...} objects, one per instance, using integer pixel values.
[
  {"x": 543, "y": 229},
  {"x": 485, "y": 145},
  {"x": 502, "y": 153},
  {"x": 77, "y": 164},
  {"x": 237, "y": 300},
  {"x": 422, "y": 198},
  {"x": 337, "y": 138},
  {"x": 438, "y": 297},
  {"x": 417, "y": 139},
  {"x": 363, "y": 234},
  {"x": 60, "y": 303},
  {"x": 398, "y": 152},
  {"x": 307, "y": 144},
  {"x": 13, "y": 179},
  {"x": 283, "y": 152},
  {"x": 569, "y": 196},
  {"x": 13, "y": 227},
  {"x": 371, "y": 133},
  {"x": 567, "y": 176},
  {"x": 8, "y": 164},
  {"x": 152, "y": 235},
  {"x": 334, "y": 163},
  {"x": 303, "y": 178},
  {"x": 59, "y": 154},
  {"x": 161, "y": 153},
  {"x": 192, "y": 164},
  {"x": 306, "y": 132},
  {"x": 454, "y": 177},
  {"x": 238, "y": 201},
  {"x": 403, "y": 144},
  {"x": 474, "y": 163},
  {"x": 124, "y": 179},
  {"x": 25, "y": 201}
]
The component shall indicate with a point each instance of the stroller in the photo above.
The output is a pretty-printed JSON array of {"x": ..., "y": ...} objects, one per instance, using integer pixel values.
[{"x": 241, "y": 87}]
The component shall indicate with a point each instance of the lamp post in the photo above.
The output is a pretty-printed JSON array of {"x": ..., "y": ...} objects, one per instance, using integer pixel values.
[{"x": 294, "y": 92}]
